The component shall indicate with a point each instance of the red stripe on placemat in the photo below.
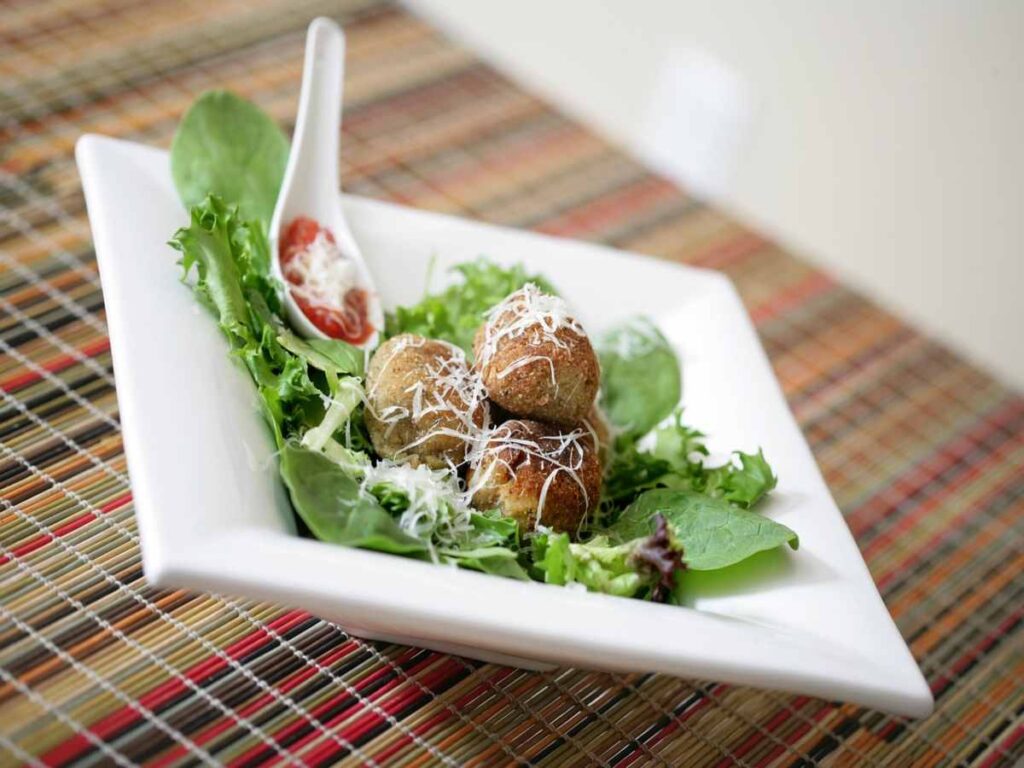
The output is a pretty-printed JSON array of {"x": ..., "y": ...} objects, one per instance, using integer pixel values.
[
  {"x": 604, "y": 211},
  {"x": 446, "y": 713},
  {"x": 23, "y": 379},
  {"x": 224, "y": 723},
  {"x": 971, "y": 654},
  {"x": 813, "y": 285},
  {"x": 366, "y": 722},
  {"x": 359, "y": 724},
  {"x": 677, "y": 721},
  {"x": 316, "y": 713},
  {"x": 63, "y": 530},
  {"x": 77, "y": 745},
  {"x": 1002, "y": 750},
  {"x": 948, "y": 454},
  {"x": 780, "y": 717},
  {"x": 798, "y": 733},
  {"x": 732, "y": 250}
]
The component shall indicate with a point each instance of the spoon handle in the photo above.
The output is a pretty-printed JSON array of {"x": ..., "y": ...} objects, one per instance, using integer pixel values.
[{"x": 318, "y": 125}]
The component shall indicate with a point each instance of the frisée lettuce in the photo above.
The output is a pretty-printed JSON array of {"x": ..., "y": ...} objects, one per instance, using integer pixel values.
[{"x": 455, "y": 313}]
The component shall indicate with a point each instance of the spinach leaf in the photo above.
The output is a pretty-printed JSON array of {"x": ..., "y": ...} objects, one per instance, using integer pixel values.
[
  {"x": 228, "y": 146},
  {"x": 640, "y": 378},
  {"x": 328, "y": 500},
  {"x": 713, "y": 533},
  {"x": 455, "y": 313},
  {"x": 498, "y": 561}
]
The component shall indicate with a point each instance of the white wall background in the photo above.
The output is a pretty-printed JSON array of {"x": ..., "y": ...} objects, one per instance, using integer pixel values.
[{"x": 884, "y": 140}]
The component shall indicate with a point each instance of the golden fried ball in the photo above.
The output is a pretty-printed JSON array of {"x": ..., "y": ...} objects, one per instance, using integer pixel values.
[
  {"x": 532, "y": 471},
  {"x": 423, "y": 403},
  {"x": 536, "y": 360},
  {"x": 596, "y": 423}
]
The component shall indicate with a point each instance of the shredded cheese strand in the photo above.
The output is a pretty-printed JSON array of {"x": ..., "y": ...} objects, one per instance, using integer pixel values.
[
  {"x": 562, "y": 452},
  {"x": 531, "y": 314}
]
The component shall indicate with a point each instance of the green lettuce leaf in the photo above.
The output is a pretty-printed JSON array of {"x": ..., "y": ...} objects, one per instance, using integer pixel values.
[
  {"x": 492, "y": 528},
  {"x": 328, "y": 355},
  {"x": 712, "y": 532},
  {"x": 745, "y": 484},
  {"x": 640, "y": 379},
  {"x": 328, "y": 500},
  {"x": 497, "y": 561},
  {"x": 630, "y": 473},
  {"x": 229, "y": 256},
  {"x": 677, "y": 460},
  {"x": 682, "y": 447},
  {"x": 597, "y": 565},
  {"x": 229, "y": 147},
  {"x": 645, "y": 566},
  {"x": 455, "y": 313}
]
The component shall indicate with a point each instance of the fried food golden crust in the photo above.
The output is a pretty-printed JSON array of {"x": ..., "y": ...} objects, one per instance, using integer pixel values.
[
  {"x": 536, "y": 365},
  {"x": 596, "y": 423},
  {"x": 423, "y": 403},
  {"x": 537, "y": 472}
]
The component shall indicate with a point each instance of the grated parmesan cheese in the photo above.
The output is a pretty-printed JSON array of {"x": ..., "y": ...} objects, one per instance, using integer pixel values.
[
  {"x": 448, "y": 388},
  {"x": 320, "y": 274},
  {"x": 531, "y": 314},
  {"x": 438, "y": 512},
  {"x": 562, "y": 452}
]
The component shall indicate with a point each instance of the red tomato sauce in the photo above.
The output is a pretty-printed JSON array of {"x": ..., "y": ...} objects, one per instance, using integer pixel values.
[{"x": 348, "y": 320}]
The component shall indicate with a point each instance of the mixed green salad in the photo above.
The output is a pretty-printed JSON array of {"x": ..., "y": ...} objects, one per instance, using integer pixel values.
[{"x": 664, "y": 509}]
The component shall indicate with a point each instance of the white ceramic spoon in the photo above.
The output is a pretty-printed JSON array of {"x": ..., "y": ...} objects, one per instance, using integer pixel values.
[{"x": 311, "y": 185}]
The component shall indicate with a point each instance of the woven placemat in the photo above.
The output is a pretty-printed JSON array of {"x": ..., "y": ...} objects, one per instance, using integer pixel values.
[{"x": 924, "y": 453}]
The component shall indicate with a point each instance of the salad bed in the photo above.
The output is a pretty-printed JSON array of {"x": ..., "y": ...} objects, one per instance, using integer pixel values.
[{"x": 664, "y": 509}]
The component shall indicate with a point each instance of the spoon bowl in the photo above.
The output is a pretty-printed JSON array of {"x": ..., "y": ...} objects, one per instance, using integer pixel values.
[{"x": 311, "y": 185}]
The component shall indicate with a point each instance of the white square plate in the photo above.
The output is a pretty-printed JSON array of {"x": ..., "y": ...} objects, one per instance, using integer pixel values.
[{"x": 213, "y": 515}]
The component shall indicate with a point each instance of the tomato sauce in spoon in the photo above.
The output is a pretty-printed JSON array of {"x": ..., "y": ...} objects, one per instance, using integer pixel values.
[{"x": 321, "y": 281}]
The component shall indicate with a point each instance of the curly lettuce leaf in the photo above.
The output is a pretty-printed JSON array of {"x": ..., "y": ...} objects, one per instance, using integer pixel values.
[
  {"x": 429, "y": 505},
  {"x": 645, "y": 566},
  {"x": 682, "y": 447},
  {"x": 678, "y": 460},
  {"x": 630, "y": 472},
  {"x": 455, "y": 313},
  {"x": 327, "y": 355},
  {"x": 712, "y": 532},
  {"x": 491, "y": 528},
  {"x": 745, "y": 484},
  {"x": 229, "y": 256},
  {"x": 229, "y": 147},
  {"x": 294, "y": 378}
]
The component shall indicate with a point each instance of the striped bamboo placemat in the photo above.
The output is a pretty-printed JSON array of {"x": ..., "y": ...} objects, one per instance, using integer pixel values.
[{"x": 923, "y": 452}]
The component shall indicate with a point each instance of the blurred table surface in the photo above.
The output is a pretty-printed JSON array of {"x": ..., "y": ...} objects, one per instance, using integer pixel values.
[{"x": 923, "y": 452}]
